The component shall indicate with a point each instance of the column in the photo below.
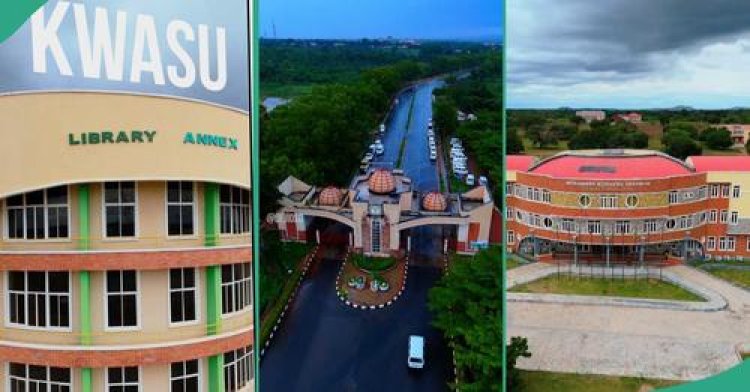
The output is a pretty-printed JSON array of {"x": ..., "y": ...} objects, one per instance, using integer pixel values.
[
  {"x": 213, "y": 283},
  {"x": 84, "y": 278},
  {"x": 608, "y": 250}
]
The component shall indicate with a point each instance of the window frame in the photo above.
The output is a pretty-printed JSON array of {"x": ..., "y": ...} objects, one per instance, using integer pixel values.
[
  {"x": 199, "y": 374},
  {"x": 734, "y": 217},
  {"x": 6, "y": 291},
  {"x": 711, "y": 243},
  {"x": 196, "y": 293},
  {"x": 193, "y": 204},
  {"x": 234, "y": 283},
  {"x": 136, "y": 213},
  {"x": 138, "y": 318},
  {"x": 7, "y": 382},
  {"x": 107, "y": 385},
  {"x": 510, "y": 237},
  {"x": 736, "y": 192},
  {"x": 232, "y": 204},
  {"x": 248, "y": 356},
  {"x": 45, "y": 206}
]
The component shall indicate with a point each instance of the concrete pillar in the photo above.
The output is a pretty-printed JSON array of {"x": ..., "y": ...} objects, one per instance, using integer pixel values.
[{"x": 608, "y": 250}]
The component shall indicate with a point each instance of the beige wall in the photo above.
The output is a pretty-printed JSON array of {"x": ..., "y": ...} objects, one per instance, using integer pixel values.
[
  {"x": 152, "y": 378},
  {"x": 35, "y": 129},
  {"x": 742, "y": 204},
  {"x": 153, "y": 313},
  {"x": 151, "y": 223}
]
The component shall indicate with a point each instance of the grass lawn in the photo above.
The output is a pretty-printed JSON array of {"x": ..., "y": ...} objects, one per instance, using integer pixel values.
[
  {"x": 632, "y": 288},
  {"x": 736, "y": 276},
  {"x": 536, "y": 381},
  {"x": 530, "y": 149},
  {"x": 373, "y": 264},
  {"x": 511, "y": 263}
]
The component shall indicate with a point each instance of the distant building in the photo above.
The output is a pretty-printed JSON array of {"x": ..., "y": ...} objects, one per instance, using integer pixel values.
[
  {"x": 740, "y": 133},
  {"x": 591, "y": 115},
  {"x": 633, "y": 117}
]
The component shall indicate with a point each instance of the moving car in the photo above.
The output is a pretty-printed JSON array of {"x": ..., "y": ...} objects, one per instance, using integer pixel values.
[{"x": 415, "y": 359}]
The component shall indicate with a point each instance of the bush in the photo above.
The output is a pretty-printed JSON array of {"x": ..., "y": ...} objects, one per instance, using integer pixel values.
[
  {"x": 717, "y": 138},
  {"x": 373, "y": 264}
]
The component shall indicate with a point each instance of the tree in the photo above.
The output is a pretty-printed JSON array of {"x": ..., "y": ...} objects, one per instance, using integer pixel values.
[
  {"x": 467, "y": 304},
  {"x": 680, "y": 145},
  {"x": 747, "y": 147},
  {"x": 513, "y": 142},
  {"x": 717, "y": 138},
  {"x": 542, "y": 136},
  {"x": 445, "y": 116}
]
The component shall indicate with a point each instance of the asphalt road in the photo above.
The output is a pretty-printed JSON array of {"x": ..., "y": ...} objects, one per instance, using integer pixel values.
[{"x": 324, "y": 345}]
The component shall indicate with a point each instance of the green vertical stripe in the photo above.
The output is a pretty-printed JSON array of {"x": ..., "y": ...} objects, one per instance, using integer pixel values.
[
  {"x": 211, "y": 213},
  {"x": 213, "y": 299},
  {"x": 84, "y": 277},
  {"x": 216, "y": 373}
]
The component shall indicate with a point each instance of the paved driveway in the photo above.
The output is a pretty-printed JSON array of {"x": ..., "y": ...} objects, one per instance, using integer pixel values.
[{"x": 666, "y": 344}]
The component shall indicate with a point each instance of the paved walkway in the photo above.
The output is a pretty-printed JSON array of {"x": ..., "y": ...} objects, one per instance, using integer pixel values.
[{"x": 633, "y": 341}]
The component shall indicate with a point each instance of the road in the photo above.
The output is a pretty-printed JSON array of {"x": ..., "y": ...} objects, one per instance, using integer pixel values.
[{"x": 324, "y": 345}]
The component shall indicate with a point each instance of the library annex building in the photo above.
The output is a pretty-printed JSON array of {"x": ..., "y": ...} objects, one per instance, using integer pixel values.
[
  {"x": 628, "y": 206},
  {"x": 125, "y": 248}
]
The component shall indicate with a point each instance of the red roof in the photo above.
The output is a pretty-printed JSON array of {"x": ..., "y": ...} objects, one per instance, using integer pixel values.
[
  {"x": 519, "y": 162},
  {"x": 720, "y": 163},
  {"x": 612, "y": 167}
]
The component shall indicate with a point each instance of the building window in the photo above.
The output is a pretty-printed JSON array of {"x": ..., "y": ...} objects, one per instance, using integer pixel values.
[
  {"x": 184, "y": 376},
  {"x": 546, "y": 196},
  {"x": 712, "y": 215},
  {"x": 510, "y": 237},
  {"x": 748, "y": 244},
  {"x": 584, "y": 200},
  {"x": 39, "y": 299},
  {"x": 734, "y": 217},
  {"x": 123, "y": 379},
  {"x": 622, "y": 227},
  {"x": 595, "y": 227},
  {"x": 182, "y": 295},
  {"x": 122, "y": 299},
  {"x": 235, "y": 287},
  {"x": 235, "y": 210},
  {"x": 651, "y": 226},
  {"x": 723, "y": 216},
  {"x": 529, "y": 194},
  {"x": 509, "y": 188},
  {"x": 28, "y": 378},
  {"x": 731, "y": 243},
  {"x": 537, "y": 197},
  {"x": 180, "y": 208},
  {"x": 238, "y": 369},
  {"x": 547, "y": 222},
  {"x": 725, "y": 190},
  {"x": 671, "y": 223},
  {"x": 736, "y": 191},
  {"x": 711, "y": 243},
  {"x": 608, "y": 201},
  {"x": 568, "y": 225},
  {"x": 38, "y": 215},
  {"x": 119, "y": 208},
  {"x": 683, "y": 222},
  {"x": 674, "y": 197},
  {"x": 631, "y": 201},
  {"x": 509, "y": 213},
  {"x": 702, "y": 192},
  {"x": 714, "y": 191}
]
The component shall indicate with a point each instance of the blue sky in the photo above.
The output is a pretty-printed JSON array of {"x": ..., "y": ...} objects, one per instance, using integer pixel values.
[{"x": 352, "y": 19}]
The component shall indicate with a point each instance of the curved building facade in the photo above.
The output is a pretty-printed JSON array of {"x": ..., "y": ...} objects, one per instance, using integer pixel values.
[
  {"x": 628, "y": 206},
  {"x": 125, "y": 244}
]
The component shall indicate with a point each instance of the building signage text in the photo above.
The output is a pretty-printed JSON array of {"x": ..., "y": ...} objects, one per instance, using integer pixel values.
[
  {"x": 211, "y": 140},
  {"x": 609, "y": 184},
  {"x": 104, "y": 137}
]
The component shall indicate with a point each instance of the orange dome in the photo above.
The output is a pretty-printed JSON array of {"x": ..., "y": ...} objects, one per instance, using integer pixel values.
[
  {"x": 329, "y": 196},
  {"x": 381, "y": 181},
  {"x": 434, "y": 201}
]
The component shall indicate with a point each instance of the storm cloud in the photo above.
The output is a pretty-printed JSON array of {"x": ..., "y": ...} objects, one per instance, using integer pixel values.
[{"x": 628, "y": 53}]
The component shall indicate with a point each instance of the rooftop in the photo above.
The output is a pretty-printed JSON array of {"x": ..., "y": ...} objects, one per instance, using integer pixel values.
[
  {"x": 612, "y": 164},
  {"x": 519, "y": 162}
]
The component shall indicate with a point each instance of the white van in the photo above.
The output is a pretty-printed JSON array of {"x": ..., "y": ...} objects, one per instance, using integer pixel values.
[
  {"x": 470, "y": 180},
  {"x": 416, "y": 352}
]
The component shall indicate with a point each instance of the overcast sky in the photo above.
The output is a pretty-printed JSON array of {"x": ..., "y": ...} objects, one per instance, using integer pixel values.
[
  {"x": 353, "y": 19},
  {"x": 628, "y": 53}
]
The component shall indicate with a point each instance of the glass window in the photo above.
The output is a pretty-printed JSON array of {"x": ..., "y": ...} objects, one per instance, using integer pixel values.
[
  {"x": 584, "y": 200},
  {"x": 723, "y": 216},
  {"x": 608, "y": 201},
  {"x": 119, "y": 208},
  {"x": 712, "y": 216},
  {"x": 734, "y": 218},
  {"x": 33, "y": 378},
  {"x": 236, "y": 291},
  {"x": 39, "y": 299},
  {"x": 631, "y": 201},
  {"x": 180, "y": 208},
  {"x": 673, "y": 197},
  {"x": 595, "y": 227},
  {"x": 238, "y": 369},
  {"x": 182, "y": 295},
  {"x": 184, "y": 376},
  {"x": 123, "y": 379},
  {"x": 511, "y": 237},
  {"x": 235, "y": 210},
  {"x": 736, "y": 191},
  {"x": 122, "y": 299},
  {"x": 38, "y": 215},
  {"x": 711, "y": 243}
]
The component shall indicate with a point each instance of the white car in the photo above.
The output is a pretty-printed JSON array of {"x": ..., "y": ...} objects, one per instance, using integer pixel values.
[
  {"x": 379, "y": 149},
  {"x": 368, "y": 157},
  {"x": 460, "y": 171},
  {"x": 415, "y": 360},
  {"x": 482, "y": 180},
  {"x": 433, "y": 155},
  {"x": 431, "y": 133},
  {"x": 382, "y": 128},
  {"x": 470, "y": 179},
  {"x": 455, "y": 140}
]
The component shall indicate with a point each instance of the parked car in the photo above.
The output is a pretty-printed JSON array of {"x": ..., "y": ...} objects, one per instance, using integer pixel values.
[
  {"x": 433, "y": 155},
  {"x": 369, "y": 156},
  {"x": 382, "y": 128},
  {"x": 415, "y": 360},
  {"x": 379, "y": 149},
  {"x": 482, "y": 180},
  {"x": 460, "y": 171},
  {"x": 455, "y": 140},
  {"x": 470, "y": 179}
]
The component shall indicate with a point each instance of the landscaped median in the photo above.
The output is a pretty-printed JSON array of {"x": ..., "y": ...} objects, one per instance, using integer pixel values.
[
  {"x": 734, "y": 272},
  {"x": 538, "y": 381},
  {"x": 371, "y": 282},
  {"x": 634, "y": 287}
]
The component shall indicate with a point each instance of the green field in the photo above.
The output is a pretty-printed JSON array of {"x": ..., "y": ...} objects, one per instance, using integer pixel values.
[
  {"x": 736, "y": 276},
  {"x": 631, "y": 288},
  {"x": 284, "y": 90},
  {"x": 536, "y": 381}
]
